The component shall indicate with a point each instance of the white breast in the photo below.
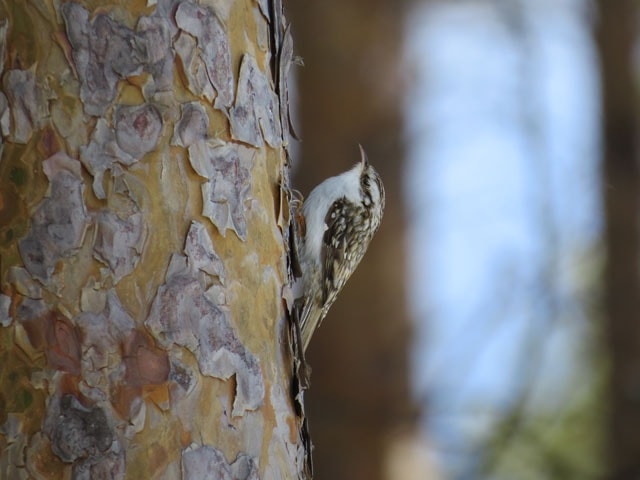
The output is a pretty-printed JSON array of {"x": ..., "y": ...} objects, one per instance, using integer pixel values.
[{"x": 317, "y": 204}]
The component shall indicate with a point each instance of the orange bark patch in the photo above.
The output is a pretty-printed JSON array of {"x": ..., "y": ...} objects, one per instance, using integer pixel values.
[
  {"x": 63, "y": 340},
  {"x": 58, "y": 337},
  {"x": 145, "y": 364},
  {"x": 69, "y": 385},
  {"x": 185, "y": 437},
  {"x": 49, "y": 142},
  {"x": 122, "y": 399},
  {"x": 159, "y": 394}
]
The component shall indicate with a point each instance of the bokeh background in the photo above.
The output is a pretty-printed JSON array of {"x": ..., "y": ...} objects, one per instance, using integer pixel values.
[{"x": 493, "y": 330}]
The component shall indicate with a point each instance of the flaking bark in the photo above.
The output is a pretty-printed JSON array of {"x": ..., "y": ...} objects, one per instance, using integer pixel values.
[{"x": 144, "y": 242}]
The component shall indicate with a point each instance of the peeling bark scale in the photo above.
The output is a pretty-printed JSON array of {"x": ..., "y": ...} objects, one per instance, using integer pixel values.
[{"x": 138, "y": 337}]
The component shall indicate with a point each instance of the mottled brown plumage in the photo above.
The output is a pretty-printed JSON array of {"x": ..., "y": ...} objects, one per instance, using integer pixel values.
[{"x": 341, "y": 215}]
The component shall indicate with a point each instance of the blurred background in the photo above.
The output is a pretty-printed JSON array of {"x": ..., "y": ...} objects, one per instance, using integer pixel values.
[{"x": 492, "y": 331}]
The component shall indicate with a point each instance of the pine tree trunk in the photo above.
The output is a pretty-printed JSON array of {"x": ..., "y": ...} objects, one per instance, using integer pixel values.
[{"x": 144, "y": 234}]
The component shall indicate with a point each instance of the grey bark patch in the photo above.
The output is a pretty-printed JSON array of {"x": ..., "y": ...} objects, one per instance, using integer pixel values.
[
  {"x": 119, "y": 242},
  {"x": 24, "y": 283},
  {"x": 192, "y": 126},
  {"x": 102, "y": 335},
  {"x": 20, "y": 87},
  {"x": 194, "y": 67},
  {"x": 60, "y": 220},
  {"x": 5, "y": 113},
  {"x": 30, "y": 309},
  {"x": 4, "y": 27},
  {"x": 77, "y": 432},
  {"x": 200, "y": 252},
  {"x": 154, "y": 44},
  {"x": 213, "y": 50},
  {"x": 105, "y": 51},
  {"x": 227, "y": 169},
  {"x": 182, "y": 375},
  {"x": 137, "y": 129},
  {"x": 245, "y": 468},
  {"x": 5, "y": 116},
  {"x": 107, "y": 328},
  {"x": 206, "y": 462},
  {"x": 183, "y": 314},
  {"x": 5, "y": 304},
  {"x": 286, "y": 57},
  {"x": 256, "y": 112},
  {"x": 264, "y": 8},
  {"x": 109, "y": 467},
  {"x": 100, "y": 155},
  {"x": 102, "y": 52}
]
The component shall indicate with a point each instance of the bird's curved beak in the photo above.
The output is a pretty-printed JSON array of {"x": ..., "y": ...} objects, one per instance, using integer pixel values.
[{"x": 363, "y": 157}]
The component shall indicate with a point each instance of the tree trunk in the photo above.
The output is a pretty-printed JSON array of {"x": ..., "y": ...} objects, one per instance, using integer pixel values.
[
  {"x": 144, "y": 234},
  {"x": 617, "y": 39}
]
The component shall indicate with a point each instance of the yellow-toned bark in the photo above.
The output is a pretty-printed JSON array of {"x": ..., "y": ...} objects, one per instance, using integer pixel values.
[{"x": 143, "y": 253}]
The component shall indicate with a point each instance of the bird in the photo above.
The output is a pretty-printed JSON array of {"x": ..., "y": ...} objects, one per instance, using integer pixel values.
[{"x": 341, "y": 216}]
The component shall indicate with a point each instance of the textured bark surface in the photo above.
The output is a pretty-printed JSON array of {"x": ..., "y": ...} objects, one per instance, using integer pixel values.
[
  {"x": 143, "y": 241},
  {"x": 617, "y": 36}
]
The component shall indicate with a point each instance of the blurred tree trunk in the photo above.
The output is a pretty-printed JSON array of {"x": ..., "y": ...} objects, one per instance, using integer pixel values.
[
  {"x": 143, "y": 241},
  {"x": 351, "y": 92},
  {"x": 621, "y": 188}
]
